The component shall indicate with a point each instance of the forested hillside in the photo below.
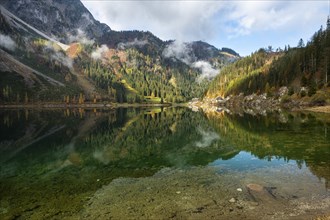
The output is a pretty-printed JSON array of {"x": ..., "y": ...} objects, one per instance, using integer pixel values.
[
  {"x": 130, "y": 76},
  {"x": 303, "y": 69},
  {"x": 79, "y": 63}
]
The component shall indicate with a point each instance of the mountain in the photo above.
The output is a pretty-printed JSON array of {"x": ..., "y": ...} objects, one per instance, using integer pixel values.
[
  {"x": 205, "y": 51},
  {"x": 61, "y": 19},
  {"x": 54, "y": 50},
  {"x": 304, "y": 70}
]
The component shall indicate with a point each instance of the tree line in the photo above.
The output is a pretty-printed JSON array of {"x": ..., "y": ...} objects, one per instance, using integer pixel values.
[{"x": 304, "y": 66}]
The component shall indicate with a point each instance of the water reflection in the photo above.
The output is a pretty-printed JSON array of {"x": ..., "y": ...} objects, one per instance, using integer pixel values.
[
  {"x": 144, "y": 138},
  {"x": 158, "y": 137},
  {"x": 76, "y": 151},
  {"x": 295, "y": 137}
]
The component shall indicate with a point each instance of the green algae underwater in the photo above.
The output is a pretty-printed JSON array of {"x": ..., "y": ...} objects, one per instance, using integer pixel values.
[{"x": 161, "y": 163}]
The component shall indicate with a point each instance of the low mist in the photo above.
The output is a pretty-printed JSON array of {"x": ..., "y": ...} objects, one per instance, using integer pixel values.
[
  {"x": 97, "y": 54},
  {"x": 184, "y": 52},
  {"x": 7, "y": 42}
]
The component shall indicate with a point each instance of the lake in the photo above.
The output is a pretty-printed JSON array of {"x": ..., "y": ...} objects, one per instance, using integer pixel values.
[{"x": 163, "y": 163}]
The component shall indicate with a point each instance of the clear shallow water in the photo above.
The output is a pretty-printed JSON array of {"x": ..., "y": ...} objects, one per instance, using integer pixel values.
[{"x": 60, "y": 163}]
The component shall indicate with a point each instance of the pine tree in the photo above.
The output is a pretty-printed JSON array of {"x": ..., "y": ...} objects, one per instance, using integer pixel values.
[{"x": 301, "y": 43}]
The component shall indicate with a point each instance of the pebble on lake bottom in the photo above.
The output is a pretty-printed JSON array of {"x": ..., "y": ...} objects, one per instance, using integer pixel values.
[{"x": 232, "y": 200}]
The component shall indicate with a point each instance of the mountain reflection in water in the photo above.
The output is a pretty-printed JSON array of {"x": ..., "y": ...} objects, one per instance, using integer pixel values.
[{"x": 69, "y": 152}]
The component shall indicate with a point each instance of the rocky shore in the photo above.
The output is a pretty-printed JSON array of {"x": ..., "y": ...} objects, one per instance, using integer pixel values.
[{"x": 261, "y": 104}]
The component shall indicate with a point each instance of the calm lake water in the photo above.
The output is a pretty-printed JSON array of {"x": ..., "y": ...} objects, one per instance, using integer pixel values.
[{"x": 162, "y": 163}]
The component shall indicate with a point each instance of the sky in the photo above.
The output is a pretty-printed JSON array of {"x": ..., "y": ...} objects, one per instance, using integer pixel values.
[{"x": 243, "y": 25}]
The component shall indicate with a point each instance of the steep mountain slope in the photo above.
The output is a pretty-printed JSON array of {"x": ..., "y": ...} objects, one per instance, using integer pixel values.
[
  {"x": 29, "y": 75},
  {"x": 22, "y": 27},
  {"x": 60, "y": 40},
  {"x": 303, "y": 69},
  {"x": 63, "y": 19},
  {"x": 242, "y": 75}
]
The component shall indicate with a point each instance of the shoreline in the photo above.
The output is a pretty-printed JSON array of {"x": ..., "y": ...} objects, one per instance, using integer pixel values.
[
  {"x": 203, "y": 105},
  {"x": 85, "y": 105},
  {"x": 320, "y": 109},
  {"x": 263, "y": 103}
]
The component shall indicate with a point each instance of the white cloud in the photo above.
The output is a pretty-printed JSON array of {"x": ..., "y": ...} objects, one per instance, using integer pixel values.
[
  {"x": 7, "y": 42},
  {"x": 181, "y": 51},
  {"x": 208, "y": 72},
  {"x": 188, "y": 20},
  {"x": 97, "y": 54},
  {"x": 80, "y": 37},
  {"x": 218, "y": 22},
  {"x": 62, "y": 58},
  {"x": 136, "y": 42},
  {"x": 184, "y": 52},
  {"x": 58, "y": 55},
  {"x": 249, "y": 17}
]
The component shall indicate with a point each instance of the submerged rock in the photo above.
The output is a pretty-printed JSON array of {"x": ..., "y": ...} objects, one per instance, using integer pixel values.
[
  {"x": 254, "y": 187},
  {"x": 262, "y": 195}
]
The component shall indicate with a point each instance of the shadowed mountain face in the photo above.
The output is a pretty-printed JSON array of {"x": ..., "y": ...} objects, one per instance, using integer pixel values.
[{"x": 58, "y": 18}]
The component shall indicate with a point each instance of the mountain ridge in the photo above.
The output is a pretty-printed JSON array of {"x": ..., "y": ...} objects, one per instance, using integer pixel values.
[
  {"x": 115, "y": 66},
  {"x": 72, "y": 17}
]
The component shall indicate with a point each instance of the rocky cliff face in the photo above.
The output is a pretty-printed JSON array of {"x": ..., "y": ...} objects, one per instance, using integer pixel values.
[{"x": 61, "y": 19}]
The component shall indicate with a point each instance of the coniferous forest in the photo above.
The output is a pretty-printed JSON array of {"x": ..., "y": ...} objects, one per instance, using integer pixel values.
[{"x": 304, "y": 69}]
